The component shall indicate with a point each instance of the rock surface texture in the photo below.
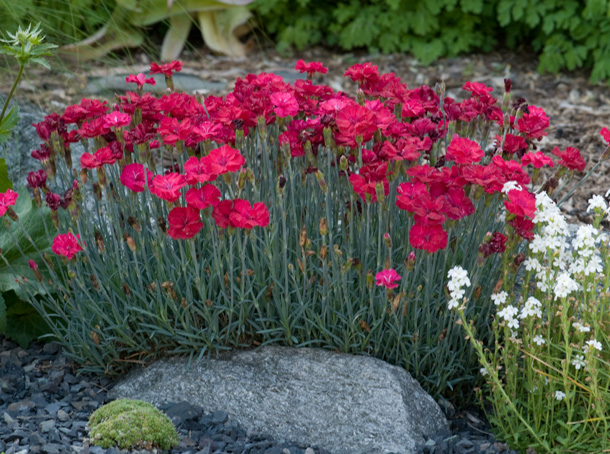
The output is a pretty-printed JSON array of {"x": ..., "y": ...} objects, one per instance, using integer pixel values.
[{"x": 350, "y": 404}]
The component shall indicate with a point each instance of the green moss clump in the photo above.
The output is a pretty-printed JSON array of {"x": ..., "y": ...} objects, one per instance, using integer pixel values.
[{"x": 131, "y": 424}]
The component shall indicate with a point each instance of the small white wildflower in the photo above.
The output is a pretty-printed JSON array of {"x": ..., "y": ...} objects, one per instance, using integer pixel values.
[
  {"x": 513, "y": 323},
  {"x": 499, "y": 298},
  {"x": 511, "y": 185},
  {"x": 483, "y": 371},
  {"x": 453, "y": 303},
  {"x": 458, "y": 278},
  {"x": 560, "y": 395},
  {"x": 531, "y": 308},
  {"x": 532, "y": 264},
  {"x": 539, "y": 340},
  {"x": 508, "y": 312},
  {"x": 581, "y": 328},
  {"x": 564, "y": 285},
  {"x": 597, "y": 201},
  {"x": 578, "y": 362},
  {"x": 593, "y": 345}
]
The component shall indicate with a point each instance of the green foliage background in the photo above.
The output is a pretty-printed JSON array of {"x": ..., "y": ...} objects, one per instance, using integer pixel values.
[{"x": 567, "y": 34}]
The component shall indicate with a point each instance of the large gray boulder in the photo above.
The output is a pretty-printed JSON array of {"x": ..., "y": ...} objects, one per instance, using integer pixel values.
[{"x": 344, "y": 403}]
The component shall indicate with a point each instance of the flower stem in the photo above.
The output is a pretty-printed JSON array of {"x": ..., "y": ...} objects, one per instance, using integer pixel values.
[{"x": 10, "y": 95}]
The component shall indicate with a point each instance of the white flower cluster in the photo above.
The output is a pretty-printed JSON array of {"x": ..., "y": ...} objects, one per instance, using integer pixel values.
[
  {"x": 458, "y": 278},
  {"x": 509, "y": 314},
  {"x": 588, "y": 259},
  {"x": 592, "y": 345},
  {"x": 597, "y": 201},
  {"x": 531, "y": 308},
  {"x": 564, "y": 285},
  {"x": 499, "y": 298},
  {"x": 511, "y": 185}
]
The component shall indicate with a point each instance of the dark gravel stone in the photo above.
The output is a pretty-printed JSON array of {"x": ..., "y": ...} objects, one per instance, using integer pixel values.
[{"x": 45, "y": 409}]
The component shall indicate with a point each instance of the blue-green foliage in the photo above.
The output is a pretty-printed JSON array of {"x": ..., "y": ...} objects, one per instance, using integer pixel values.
[{"x": 567, "y": 34}]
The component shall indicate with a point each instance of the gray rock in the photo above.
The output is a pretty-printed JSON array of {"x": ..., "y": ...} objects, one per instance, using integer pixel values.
[
  {"x": 187, "y": 83},
  {"x": 344, "y": 403},
  {"x": 23, "y": 140}
]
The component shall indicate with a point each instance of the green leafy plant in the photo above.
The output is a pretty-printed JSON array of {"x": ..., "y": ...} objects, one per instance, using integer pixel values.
[
  {"x": 547, "y": 373},
  {"x": 18, "y": 319},
  {"x": 566, "y": 34}
]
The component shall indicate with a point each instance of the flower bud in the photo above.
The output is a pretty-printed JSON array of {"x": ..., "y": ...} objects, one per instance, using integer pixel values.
[
  {"x": 410, "y": 261},
  {"x": 35, "y": 269},
  {"x": 323, "y": 252},
  {"x": 360, "y": 97},
  {"x": 321, "y": 181},
  {"x": 369, "y": 279},
  {"x": 250, "y": 176},
  {"x": 303, "y": 237},
  {"x": 387, "y": 239},
  {"x": 380, "y": 192},
  {"x": 133, "y": 222},
  {"x": 241, "y": 180},
  {"x": 97, "y": 191},
  {"x": 84, "y": 177},
  {"x": 11, "y": 214},
  {"x": 323, "y": 227},
  {"x": 343, "y": 163},
  {"x": 100, "y": 242},
  {"x": 328, "y": 137},
  {"x": 262, "y": 127},
  {"x": 94, "y": 281}
]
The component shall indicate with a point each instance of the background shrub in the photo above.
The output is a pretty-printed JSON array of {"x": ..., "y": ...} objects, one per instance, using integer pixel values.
[{"x": 566, "y": 34}]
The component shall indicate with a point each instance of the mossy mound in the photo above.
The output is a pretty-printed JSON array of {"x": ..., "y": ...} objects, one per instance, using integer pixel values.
[{"x": 131, "y": 424}]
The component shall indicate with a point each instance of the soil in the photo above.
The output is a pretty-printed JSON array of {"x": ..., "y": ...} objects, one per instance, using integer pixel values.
[{"x": 578, "y": 108}]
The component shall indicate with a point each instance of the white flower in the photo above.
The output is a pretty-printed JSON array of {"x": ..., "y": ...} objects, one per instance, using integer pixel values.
[
  {"x": 508, "y": 312},
  {"x": 539, "y": 340},
  {"x": 592, "y": 344},
  {"x": 453, "y": 303},
  {"x": 531, "y": 308},
  {"x": 532, "y": 264},
  {"x": 510, "y": 186},
  {"x": 578, "y": 362},
  {"x": 458, "y": 278},
  {"x": 581, "y": 328},
  {"x": 564, "y": 285},
  {"x": 513, "y": 323},
  {"x": 484, "y": 371},
  {"x": 560, "y": 395},
  {"x": 597, "y": 201},
  {"x": 499, "y": 298}
]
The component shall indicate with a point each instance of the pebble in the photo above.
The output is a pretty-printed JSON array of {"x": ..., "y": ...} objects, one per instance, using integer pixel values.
[{"x": 44, "y": 409}]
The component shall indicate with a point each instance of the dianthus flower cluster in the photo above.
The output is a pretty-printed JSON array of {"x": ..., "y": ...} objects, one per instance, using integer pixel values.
[{"x": 389, "y": 134}]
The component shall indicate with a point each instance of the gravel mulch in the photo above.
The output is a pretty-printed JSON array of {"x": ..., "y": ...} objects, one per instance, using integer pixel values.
[{"x": 45, "y": 407}]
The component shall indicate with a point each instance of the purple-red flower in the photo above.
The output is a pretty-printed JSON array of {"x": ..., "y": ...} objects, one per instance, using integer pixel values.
[
  {"x": 570, "y": 158},
  {"x": 66, "y": 245},
  {"x": 387, "y": 278},
  {"x": 521, "y": 203},
  {"x": 285, "y": 105},
  {"x": 139, "y": 80},
  {"x": 464, "y": 151},
  {"x": 310, "y": 68},
  {"x": 246, "y": 216},
  {"x": 538, "y": 160},
  {"x": 133, "y": 177},
  {"x": 7, "y": 199},
  {"x": 430, "y": 238},
  {"x": 117, "y": 119},
  {"x": 166, "y": 69},
  {"x": 222, "y": 160},
  {"x": 201, "y": 198},
  {"x": 167, "y": 187},
  {"x": 184, "y": 223}
]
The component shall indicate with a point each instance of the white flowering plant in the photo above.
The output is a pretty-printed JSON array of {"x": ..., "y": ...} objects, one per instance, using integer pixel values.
[{"x": 548, "y": 373}]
